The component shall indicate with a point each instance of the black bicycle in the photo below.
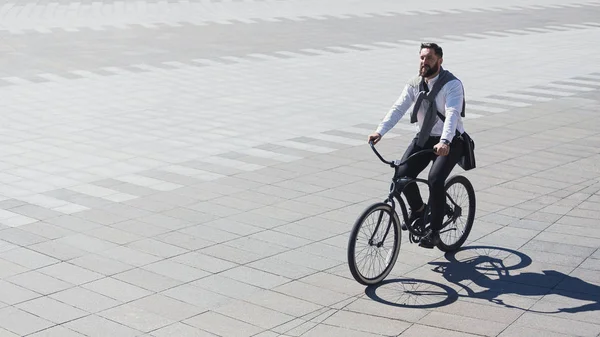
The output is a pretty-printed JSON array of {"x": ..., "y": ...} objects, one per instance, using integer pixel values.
[{"x": 375, "y": 239}]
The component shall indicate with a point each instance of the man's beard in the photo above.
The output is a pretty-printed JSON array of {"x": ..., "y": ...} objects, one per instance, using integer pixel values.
[{"x": 427, "y": 71}]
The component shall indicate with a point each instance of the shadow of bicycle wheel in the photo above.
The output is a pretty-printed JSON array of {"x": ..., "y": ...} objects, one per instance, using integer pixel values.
[{"x": 412, "y": 293}]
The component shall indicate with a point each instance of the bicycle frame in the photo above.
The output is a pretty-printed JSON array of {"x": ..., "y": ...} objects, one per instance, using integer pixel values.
[{"x": 397, "y": 187}]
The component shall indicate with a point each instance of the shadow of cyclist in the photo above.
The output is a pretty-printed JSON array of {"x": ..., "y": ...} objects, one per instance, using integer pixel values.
[{"x": 494, "y": 271}]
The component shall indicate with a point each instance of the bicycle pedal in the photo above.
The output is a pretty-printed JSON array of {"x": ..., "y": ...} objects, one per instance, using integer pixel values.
[{"x": 414, "y": 238}]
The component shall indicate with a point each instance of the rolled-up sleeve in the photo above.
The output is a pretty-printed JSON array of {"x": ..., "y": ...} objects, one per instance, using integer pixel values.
[
  {"x": 454, "y": 105},
  {"x": 397, "y": 111}
]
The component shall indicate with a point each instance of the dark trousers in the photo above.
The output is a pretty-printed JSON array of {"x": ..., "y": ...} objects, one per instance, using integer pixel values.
[{"x": 439, "y": 172}]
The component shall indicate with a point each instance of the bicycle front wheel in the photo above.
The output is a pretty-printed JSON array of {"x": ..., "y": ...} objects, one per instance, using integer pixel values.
[
  {"x": 374, "y": 244},
  {"x": 459, "y": 194}
]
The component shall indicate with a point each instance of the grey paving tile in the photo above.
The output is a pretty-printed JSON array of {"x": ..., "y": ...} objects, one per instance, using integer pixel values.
[
  {"x": 6, "y": 246},
  {"x": 87, "y": 243},
  {"x": 276, "y": 266},
  {"x": 28, "y": 258},
  {"x": 235, "y": 227},
  {"x": 268, "y": 334},
  {"x": 227, "y": 286},
  {"x": 295, "y": 327},
  {"x": 147, "y": 280},
  {"x": 280, "y": 238},
  {"x": 370, "y": 307},
  {"x": 483, "y": 312},
  {"x": 113, "y": 235},
  {"x": 46, "y": 230},
  {"x": 38, "y": 282},
  {"x": 258, "y": 220},
  {"x": 149, "y": 204},
  {"x": 330, "y": 331},
  {"x": 70, "y": 273},
  {"x": 177, "y": 271},
  {"x": 557, "y": 325},
  {"x": 134, "y": 317},
  {"x": 261, "y": 198},
  {"x": 97, "y": 326},
  {"x": 116, "y": 289},
  {"x": 84, "y": 299},
  {"x": 200, "y": 298},
  {"x": 302, "y": 230},
  {"x": 209, "y": 233},
  {"x": 464, "y": 324},
  {"x": 253, "y": 314},
  {"x": 22, "y": 322},
  {"x": 568, "y": 239},
  {"x": 311, "y": 293},
  {"x": 366, "y": 323},
  {"x": 74, "y": 223},
  {"x": 184, "y": 241},
  {"x": 36, "y": 212},
  {"x": 183, "y": 330},
  {"x": 129, "y": 256},
  {"x": 186, "y": 215},
  {"x": 559, "y": 248},
  {"x": 165, "y": 221},
  {"x": 140, "y": 228},
  {"x": 565, "y": 310},
  {"x": 167, "y": 307},
  {"x": 11, "y": 293},
  {"x": 8, "y": 268},
  {"x": 20, "y": 237},
  {"x": 157, "y": 248},
  {"x": 57, "y": 331},
  {"x": 591, "y": 263},
  {"x": 255, "y": 277},
  {"x": 204, "y": 262},
  {"x": 238, "y": 203},
  {"x": 101, "y": 217},
  {"x": 283, "y": 303},
  {"x": 514, "y": 331},
  {"x": 424, "y": 330},
  {"x": 51, "y": 310},
  {"x": 307, "y": 260},
  {"x": 303, "y": 187},
  {"x": 222, "y": 325}
]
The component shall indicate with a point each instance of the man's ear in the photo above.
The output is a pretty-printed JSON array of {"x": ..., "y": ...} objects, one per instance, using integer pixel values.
[{"x": 441, "y": 60}]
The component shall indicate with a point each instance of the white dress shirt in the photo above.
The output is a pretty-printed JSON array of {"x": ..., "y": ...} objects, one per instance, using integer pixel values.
[{"x": 449, "y": 102}]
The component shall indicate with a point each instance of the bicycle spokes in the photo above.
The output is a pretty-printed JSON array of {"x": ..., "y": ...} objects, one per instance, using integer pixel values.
[
  {"x": 374, "y": 244},
  {"x": 457, "y": 219}
]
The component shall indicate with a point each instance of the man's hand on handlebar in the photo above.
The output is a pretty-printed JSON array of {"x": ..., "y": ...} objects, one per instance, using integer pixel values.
[
  {"x": 441, "y": 149},
  {"x": 374, "y": 137}
]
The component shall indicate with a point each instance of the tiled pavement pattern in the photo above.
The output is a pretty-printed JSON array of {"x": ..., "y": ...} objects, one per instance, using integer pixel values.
[{"x": 192, "y": 168}]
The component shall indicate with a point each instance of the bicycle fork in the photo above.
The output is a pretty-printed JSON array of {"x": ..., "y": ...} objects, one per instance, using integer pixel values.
[{"x": 387, "y": 230}]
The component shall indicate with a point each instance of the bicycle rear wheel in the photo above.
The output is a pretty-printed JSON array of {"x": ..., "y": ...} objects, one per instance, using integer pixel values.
[
  {"x": 374, "y": 244},
  {"x": 459, "y": 193}
]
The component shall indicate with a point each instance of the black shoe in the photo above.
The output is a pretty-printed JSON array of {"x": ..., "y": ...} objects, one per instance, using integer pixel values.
[
  {"x": 430, "y": 240},
  {"x": 414, "y": 215}
]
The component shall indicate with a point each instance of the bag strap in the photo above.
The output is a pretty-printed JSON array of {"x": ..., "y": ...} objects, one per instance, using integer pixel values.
[
  {"x": 441, "y": 116},
  {"x": 444, "y": 120}
]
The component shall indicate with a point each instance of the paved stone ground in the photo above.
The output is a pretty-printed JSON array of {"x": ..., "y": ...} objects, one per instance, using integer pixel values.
[{"x": 193, "y": 168}]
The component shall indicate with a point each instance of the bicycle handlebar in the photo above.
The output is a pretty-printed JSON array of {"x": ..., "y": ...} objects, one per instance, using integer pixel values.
[{"x": 393, "y": 164}]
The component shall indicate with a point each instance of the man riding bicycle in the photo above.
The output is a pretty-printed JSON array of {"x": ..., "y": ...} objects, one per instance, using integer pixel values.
[{"x": 438, "y": 98}]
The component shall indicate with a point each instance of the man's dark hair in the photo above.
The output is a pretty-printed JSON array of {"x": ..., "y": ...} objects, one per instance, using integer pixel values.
[{"x": 436, "y": 49}]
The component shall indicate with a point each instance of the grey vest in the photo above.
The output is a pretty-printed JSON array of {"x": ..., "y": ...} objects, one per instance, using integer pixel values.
[{"x": 431, "y": 113}]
